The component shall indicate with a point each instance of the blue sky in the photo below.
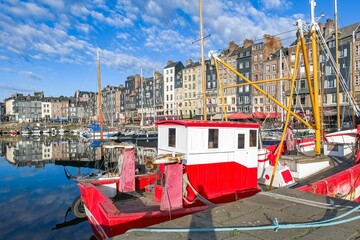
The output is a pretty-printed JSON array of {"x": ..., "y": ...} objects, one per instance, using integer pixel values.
[{"x": 51, "y": 45}]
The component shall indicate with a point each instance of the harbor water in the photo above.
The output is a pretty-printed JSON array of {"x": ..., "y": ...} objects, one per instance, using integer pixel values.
[
  {"x": 38, "y": 190},
  {"x": 36, "y": 196}
]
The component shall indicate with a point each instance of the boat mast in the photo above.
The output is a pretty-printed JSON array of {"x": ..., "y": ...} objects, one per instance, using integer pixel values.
[
  {"x": 315, "y": 79},
  {"x": 142, "y": 99},
  {"x": 203, "y": 79},
  {"x": 100, "y": 117},
  {"x": 337, "y": 66}
]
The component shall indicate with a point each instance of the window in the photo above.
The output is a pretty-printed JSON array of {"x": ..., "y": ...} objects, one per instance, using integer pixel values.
[
  {"x": 302, "y": 84},
  {"x": 253, "y": 138},
  {"x": 172, "y": 137},
  {"x": 302, "y": 99},
  {"x": 292, "y": 58},
  {"x": 333, "y": 98},
  {"x": 213, "y": 138},
  {"x": 241, "y": 141},
  {"x": 246, "y": 88}
]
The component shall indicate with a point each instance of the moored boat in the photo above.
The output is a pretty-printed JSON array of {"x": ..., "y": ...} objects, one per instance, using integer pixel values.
[{"x": 199, "y": 164}]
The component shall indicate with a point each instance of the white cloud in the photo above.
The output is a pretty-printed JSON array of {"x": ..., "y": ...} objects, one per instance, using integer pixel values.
[
  {"x": 276, "y": 4},
  {"x": 29, "y": 74},
  {"x": 58, "y": 4}
]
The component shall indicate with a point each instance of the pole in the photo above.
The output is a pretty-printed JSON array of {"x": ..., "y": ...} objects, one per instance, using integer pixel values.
[
  {"x": 100, "y": 106},
  {"x": 315, "y": 80},
  {"x": 142, "y": 99},
  {"x": 337, "y": 66},
  {"x": 281, "y": 86},
  {"x": 203, "y": 79}
]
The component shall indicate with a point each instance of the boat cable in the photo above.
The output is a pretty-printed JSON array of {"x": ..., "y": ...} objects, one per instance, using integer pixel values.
[
  {"x": 197, "y": 194},
  {"x": 306, "y": 202},
  {"x": 342, "y": 81},
  {"x": 276, "y": 226}
]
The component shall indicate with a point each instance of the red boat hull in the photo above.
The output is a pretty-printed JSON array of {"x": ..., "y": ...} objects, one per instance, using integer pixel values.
[{"x": 345, "y": 184}]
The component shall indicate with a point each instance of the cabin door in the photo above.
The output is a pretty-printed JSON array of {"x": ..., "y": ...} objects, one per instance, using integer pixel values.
[{"x": 246, "y": 149}]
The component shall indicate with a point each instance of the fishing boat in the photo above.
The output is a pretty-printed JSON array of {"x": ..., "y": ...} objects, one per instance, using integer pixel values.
[{"x": 199, "y": 164}]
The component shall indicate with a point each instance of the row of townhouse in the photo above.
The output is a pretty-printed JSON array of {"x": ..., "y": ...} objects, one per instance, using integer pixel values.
[
  {"x": 38, "y": 108},
  {"x": 178, "y": 90},
  {"x": 264, "y": 61}
]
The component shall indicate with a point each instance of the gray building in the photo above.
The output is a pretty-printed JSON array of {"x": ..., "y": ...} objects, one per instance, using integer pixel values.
[{"x": 244, "y": 64}]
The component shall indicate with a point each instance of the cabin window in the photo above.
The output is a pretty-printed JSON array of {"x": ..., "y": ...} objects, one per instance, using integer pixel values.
[
  {"x": 253, "y": 138},
  {"x": 213, "y": 138},
  {"x": 172, "y": 137},
  {"x": 241, "y": 141}
]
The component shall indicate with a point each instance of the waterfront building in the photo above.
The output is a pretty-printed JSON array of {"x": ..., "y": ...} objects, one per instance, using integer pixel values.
[
  {"x": 2, "y": 111},
  {"x": 172, "y": 80},
  {"x": 46, "y": 109},
  {"x": 260, "y": 71},
  {"x": 60, "y": 109},
  {"x": 188, "y": 98},
  {"x": 159, "y": 93},
  {"x": 110, "y": 108},
  {"x": 132, "y": 84},
  {"x": 244, "y": 65}
]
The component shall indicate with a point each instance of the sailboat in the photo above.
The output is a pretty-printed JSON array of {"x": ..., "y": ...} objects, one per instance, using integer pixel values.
[
  {"x": 200, "y": 164},
  {"x": 97, "y": 131}
]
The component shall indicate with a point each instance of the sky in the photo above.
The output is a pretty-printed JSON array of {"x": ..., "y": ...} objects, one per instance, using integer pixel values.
[{"x": 52, "y": 45}]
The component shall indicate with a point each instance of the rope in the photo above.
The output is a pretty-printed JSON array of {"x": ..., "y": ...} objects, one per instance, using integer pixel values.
[
  {"x": 197, "y": 194},
  {"x": 276, "y": 226}
]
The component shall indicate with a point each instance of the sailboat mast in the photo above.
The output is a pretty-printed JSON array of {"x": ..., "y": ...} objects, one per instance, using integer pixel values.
[
  {"x": 315, "y": 79},
  {"x": 100, "y": 117},
  {"x": 203, "y": 79},
  {"x": 337, "y": 65},
  {"x": 142, "y": 99}
]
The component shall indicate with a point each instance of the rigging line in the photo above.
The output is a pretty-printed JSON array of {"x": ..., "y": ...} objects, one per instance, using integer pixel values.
[
  {"x": 337, "y": 71},
  {"x": 278, "y": 34},
  {"x": 156, "y": 55}
]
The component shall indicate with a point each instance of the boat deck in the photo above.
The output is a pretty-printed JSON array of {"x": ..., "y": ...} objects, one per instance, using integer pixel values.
[
  {"x": 336, "y": 164},
  {"x": 136, "y": 202},
  {"x": 288, "y": 206}
]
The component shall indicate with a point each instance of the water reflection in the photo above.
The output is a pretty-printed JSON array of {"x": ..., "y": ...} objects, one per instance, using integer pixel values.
[{"x": 36, "y": 197}]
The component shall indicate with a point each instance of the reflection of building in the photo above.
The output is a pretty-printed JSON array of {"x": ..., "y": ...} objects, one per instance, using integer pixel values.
[{"x": 39, "y": 153}]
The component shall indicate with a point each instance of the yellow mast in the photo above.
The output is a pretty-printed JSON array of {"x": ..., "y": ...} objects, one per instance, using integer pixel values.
[
  {"x": 100, "y": 105},
  {"x": 203, "y": 79},
  {"x": 315, "y": 81}
]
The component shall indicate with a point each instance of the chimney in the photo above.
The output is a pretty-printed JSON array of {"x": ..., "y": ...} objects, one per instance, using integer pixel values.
[
  {"x": 170, "y": 62},
  {"x": 329, "y": 28},
  {"x": 189, "y": 62},
  {"x": 232, "y": 46},
  {"x": 248, "y": 43}
]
